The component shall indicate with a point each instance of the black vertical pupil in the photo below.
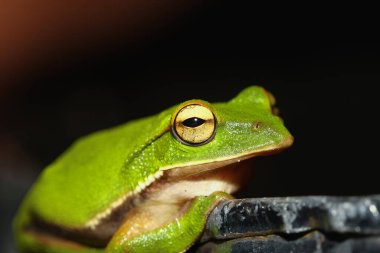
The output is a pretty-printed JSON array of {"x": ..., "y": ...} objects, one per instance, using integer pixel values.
[{"x": 193, "y": 122}]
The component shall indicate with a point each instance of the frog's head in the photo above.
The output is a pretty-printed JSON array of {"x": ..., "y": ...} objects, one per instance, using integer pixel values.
[{"x": 205, "y": 135}]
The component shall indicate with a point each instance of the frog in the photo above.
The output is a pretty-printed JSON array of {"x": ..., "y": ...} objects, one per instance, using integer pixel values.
[{"x": 148, "y": 185}]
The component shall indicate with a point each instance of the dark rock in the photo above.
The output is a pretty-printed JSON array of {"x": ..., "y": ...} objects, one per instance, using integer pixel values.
[
  {"x": 340, "y": 224},
  {"x": 247, "y": 217}
]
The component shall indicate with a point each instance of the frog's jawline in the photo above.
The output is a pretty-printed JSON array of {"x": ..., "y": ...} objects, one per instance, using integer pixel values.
[{"x": 104, "y": 230}]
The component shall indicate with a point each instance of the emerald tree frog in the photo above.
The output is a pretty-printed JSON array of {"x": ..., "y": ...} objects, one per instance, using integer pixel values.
[{"x": 149, "y": 185}]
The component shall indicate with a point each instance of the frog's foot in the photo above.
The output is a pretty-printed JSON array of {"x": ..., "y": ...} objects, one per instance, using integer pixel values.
[{"x": 175, "y": 230}]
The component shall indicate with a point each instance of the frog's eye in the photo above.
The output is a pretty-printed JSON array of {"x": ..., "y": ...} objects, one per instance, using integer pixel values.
[{"x": 194, "y": 125}]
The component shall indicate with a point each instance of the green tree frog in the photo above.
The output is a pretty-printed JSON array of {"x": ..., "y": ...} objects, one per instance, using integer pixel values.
[{"x": 149, "y": 185}]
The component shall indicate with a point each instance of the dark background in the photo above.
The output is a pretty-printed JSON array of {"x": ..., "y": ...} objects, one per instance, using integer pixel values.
[{"x": 323, "y": 74}]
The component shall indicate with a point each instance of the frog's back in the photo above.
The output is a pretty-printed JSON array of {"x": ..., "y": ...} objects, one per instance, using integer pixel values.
[{"x": 93, "y": 172}]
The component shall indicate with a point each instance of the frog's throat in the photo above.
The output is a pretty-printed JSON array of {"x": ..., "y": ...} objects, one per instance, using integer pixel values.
[{"x": 98, "y": 231}]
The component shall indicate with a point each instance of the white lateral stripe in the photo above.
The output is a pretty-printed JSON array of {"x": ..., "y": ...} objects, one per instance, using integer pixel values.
[{"x": 141, "y": 186}]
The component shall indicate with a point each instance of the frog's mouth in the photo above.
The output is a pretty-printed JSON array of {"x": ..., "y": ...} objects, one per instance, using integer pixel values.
[
  {"x": 204, "y": 166},
  {"x": 188, "y": 170},
  {"x": 172, "y": 190}
]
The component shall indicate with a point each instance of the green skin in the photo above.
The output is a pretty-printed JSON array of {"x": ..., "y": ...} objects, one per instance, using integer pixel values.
[{"x": 103, "y": 167}]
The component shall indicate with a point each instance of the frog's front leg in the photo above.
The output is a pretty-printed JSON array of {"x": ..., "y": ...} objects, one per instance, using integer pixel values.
[{"x": 161, "y": 227}]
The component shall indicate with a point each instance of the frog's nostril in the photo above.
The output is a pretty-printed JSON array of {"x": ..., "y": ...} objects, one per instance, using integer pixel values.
[{"x": 256, "y": 126}]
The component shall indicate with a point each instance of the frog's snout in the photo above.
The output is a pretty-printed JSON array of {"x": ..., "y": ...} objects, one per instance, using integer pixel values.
[
  {"x": 287, "y": 142},
  {"x": 278, "y": 132}
]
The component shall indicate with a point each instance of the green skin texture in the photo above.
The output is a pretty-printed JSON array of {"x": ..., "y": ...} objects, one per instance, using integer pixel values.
[{"x": 104, "y": 166}]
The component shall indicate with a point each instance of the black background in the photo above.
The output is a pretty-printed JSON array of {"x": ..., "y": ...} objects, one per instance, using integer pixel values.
[{"x": 322, "y": 73}]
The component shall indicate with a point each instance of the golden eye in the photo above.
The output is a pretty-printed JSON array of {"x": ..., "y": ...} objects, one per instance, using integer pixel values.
[{"x": 194, "y": 124}]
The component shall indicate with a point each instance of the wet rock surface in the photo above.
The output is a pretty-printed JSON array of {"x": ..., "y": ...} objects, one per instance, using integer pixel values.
[{"x": 294, "y": 224}]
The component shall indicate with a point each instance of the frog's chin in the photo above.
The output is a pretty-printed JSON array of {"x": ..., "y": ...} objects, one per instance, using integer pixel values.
[{"x": 178, "y": 189}]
